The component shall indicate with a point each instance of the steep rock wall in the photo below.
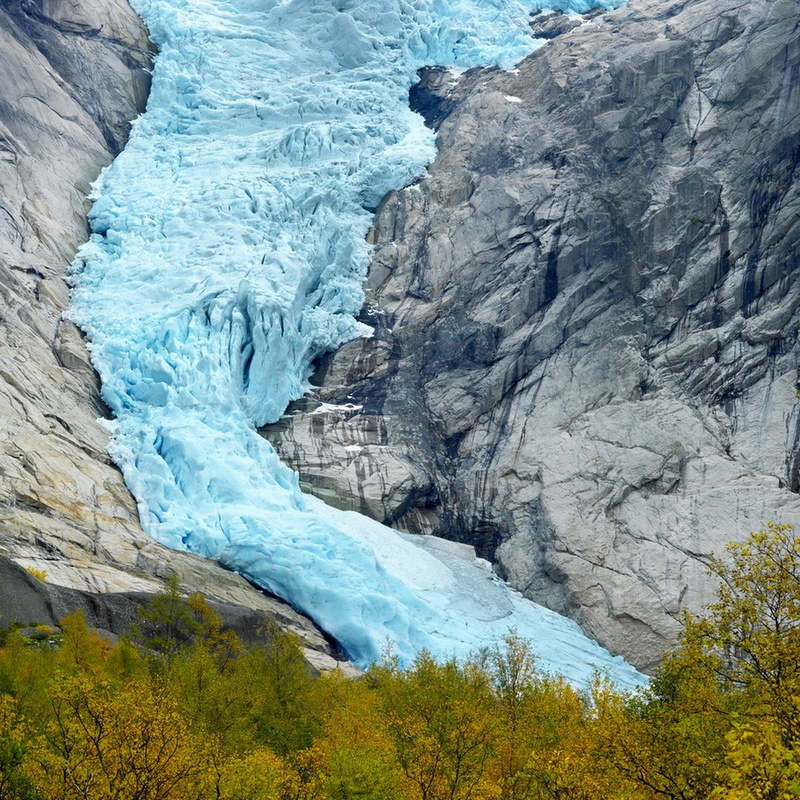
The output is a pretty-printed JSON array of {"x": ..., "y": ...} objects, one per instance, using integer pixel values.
[
  {"x": 59, "y": 125},
  {"x": 586, "y": 317}
]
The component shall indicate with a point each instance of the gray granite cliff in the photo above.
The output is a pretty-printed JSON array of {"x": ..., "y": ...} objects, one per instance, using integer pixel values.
[{"x": 586, "y": 316}]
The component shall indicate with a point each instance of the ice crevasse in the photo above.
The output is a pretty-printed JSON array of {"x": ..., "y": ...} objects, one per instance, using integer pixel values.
[{"x": 228, "y": 251}]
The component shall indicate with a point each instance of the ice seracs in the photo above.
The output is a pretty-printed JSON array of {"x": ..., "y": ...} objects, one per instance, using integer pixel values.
[{"x": 228, "y": 252}]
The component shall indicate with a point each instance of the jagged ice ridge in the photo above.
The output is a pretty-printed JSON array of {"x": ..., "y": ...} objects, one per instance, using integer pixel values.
[{"x": 229, "y": 251}]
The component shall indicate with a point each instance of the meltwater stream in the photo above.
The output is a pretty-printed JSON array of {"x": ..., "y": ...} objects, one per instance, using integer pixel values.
[{"x": 229, "y": 250}]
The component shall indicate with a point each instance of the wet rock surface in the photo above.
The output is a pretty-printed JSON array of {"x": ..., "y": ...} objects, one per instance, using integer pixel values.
[
  {"x": 72, "y": 76},
  {"x": 585, "y": 351}
]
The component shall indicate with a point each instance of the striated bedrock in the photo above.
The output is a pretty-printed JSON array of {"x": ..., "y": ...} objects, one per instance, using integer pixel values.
[
  {"x": 586, "y": 317},
  {"x": 72, "y": 76}
]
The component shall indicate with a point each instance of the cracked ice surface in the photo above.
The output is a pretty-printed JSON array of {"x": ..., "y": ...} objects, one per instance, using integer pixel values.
[{"x": 229, "y": 250}]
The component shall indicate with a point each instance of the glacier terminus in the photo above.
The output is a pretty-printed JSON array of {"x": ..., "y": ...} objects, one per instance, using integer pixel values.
[{"x": 228, "y": 251}]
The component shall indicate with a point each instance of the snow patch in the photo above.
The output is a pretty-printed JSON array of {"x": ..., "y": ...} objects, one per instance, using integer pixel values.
[{"x": 331, "y": 408}]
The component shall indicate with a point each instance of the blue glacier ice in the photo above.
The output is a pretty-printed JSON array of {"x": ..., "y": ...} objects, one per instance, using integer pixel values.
[{"x": 229, "y": 250}]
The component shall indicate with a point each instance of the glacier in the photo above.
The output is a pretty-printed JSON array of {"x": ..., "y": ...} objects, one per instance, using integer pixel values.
[{"x": 228, "y": 251}]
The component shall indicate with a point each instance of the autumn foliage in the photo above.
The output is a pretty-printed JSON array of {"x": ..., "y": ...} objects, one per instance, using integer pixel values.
[{"x": 183, "y": 710}]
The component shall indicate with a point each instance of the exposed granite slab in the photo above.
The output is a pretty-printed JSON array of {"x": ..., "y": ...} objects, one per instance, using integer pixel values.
[{"x": 586, "y": 317}]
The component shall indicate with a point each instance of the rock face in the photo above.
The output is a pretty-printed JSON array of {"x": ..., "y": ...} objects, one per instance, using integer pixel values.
[
  {"x": 72, "y": 76},
  {"x": 26, "y": 599},
  {"x": 586, "y": 317},
  {"x": 58, "y": 127}
]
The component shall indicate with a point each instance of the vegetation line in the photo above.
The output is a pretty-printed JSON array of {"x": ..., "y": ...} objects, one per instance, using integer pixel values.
[{"x": 181, "y": 709}]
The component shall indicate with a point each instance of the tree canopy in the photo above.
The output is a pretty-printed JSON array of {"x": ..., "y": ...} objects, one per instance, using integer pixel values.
[{"x": 183, "y": 710}]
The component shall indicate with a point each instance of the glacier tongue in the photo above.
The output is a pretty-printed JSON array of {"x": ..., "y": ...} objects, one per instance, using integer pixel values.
[{"x": 228, "y": 251}]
